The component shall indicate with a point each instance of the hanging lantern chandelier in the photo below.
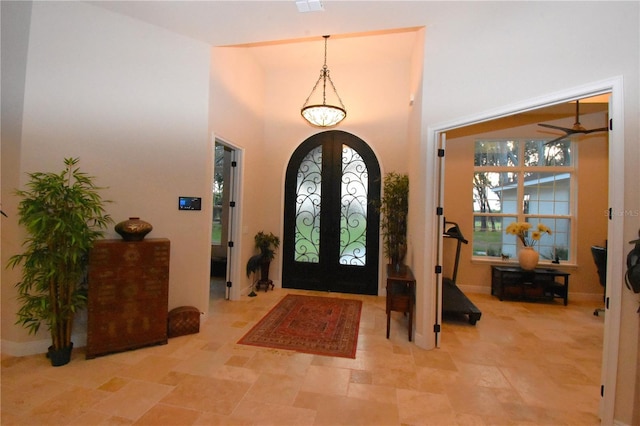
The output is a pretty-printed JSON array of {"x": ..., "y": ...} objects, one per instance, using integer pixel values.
[{"x": 324, "y": 115}]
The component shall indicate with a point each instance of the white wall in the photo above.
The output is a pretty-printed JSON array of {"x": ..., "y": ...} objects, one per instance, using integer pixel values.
[
  {"x": 257, "y": 107},
  {"x": 488, "y": 56},
  {"x": 237, "y": 101},
  {"x": 15, "y": 36},
  {"x": 131, "y": 102},
  {"x": 375, "y": 95},
  {"x": 478, "y": 56}
]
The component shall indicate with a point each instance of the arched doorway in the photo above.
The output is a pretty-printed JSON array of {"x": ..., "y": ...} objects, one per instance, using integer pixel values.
[{"x": 331, "y": 227}]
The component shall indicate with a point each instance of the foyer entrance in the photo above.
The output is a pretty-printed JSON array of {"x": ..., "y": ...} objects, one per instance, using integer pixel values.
[{"x": 331, "y": 225}]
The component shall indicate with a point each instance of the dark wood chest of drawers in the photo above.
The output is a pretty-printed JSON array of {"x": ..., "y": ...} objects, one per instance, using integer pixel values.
[{"x": 128, "y": 295}]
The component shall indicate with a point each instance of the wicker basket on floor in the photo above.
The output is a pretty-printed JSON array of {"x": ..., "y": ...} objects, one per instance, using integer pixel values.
[{"x": 183, "y": 320}]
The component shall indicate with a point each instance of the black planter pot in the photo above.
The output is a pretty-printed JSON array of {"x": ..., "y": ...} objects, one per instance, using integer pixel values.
[
  {"x": 264, "y": 270},
  {"x": 61, "y": 356}
]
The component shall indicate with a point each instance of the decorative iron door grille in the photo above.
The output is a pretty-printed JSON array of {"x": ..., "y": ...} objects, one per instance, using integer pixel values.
[{"x": 331, "y": 235}]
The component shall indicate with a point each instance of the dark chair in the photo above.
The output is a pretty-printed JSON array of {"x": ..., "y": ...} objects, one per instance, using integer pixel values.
[{"x": 600, "y": 258}]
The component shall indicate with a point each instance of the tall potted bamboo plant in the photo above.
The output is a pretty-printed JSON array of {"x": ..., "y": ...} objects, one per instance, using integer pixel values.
[
  {"x": 63, "y": 215},
  {"x": 394, "y": 207}
]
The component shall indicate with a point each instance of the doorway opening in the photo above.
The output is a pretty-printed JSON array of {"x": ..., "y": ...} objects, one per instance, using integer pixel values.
[
  {"x": 614, "y": 233},
  {"x": 223, "y": 218},
  {"x": 512, "y": 170}
]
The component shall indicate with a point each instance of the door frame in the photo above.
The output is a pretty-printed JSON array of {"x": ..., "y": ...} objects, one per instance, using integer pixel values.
[
  {"x": 234, "y": 264},
  {"x": 615, "y": 228}
]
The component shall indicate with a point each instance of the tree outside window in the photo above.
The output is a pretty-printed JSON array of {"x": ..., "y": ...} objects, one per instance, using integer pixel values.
[
  {"x": 522, "y": 180},
  {"x": 218, "y": 192}
]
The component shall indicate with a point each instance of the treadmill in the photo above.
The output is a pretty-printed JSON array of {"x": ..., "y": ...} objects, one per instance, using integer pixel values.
[{"x": 454, "y": 301}]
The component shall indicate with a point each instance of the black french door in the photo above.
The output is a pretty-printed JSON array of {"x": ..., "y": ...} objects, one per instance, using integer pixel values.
[{"x": 331, "y": 225}]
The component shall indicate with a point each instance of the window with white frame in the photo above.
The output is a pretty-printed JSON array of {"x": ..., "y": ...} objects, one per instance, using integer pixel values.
[{"x": 523, "y": 180}]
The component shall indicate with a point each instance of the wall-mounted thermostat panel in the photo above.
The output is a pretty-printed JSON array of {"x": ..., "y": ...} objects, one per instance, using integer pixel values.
[{"x": 189, "y": 203}]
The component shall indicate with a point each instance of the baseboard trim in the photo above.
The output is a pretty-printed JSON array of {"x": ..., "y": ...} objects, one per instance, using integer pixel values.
[
  {"x": 35, "y": 347},
  {"x": 580, "y": 297}
]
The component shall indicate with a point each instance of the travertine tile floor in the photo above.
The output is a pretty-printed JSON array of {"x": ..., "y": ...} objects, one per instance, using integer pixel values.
[{"x": 523, "y": 363}]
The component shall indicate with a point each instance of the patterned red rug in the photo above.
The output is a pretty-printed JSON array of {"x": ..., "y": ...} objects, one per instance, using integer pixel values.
[{"x": 310, "y": 324}]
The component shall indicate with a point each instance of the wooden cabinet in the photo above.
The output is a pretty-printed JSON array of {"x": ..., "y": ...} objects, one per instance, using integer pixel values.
[
  {"x": 128, "y": 295},
  {"x": 516, "y": 283},
  {"x": 401, "y": 294}
]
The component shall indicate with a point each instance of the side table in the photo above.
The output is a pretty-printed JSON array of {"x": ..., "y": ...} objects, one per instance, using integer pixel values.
[
  {"x": 516, "y": 283},
  {"x": 401, "y": 294}
]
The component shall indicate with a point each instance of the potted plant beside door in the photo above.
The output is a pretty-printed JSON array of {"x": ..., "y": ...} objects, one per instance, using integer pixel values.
[
  {"x": 266, "y": 244},
  {"x": 394, "y": 207},
  {"x": 63, "y": 215}
]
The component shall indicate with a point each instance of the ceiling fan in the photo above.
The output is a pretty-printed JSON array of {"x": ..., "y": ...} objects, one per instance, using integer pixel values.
[{"x": 576, "y": 129}]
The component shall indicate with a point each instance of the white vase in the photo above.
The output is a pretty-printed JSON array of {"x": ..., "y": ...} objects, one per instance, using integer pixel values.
[{"x": 528, "y": 258}]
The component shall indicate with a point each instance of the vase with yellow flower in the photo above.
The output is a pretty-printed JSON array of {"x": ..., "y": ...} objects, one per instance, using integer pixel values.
[{"x": 528, "y": 257}]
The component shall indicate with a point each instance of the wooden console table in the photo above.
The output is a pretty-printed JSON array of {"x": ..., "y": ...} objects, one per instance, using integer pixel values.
[
  {"x": 401, "y": 294},
  {"x": 508, "y": 282}
]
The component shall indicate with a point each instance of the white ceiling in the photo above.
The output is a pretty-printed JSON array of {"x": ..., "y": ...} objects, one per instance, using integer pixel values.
[
  {"x": 224, "y": 23},
  {"x": 280, "y": 36}
]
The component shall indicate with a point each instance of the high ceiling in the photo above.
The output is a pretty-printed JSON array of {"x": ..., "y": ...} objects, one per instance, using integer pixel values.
[
  {"x": 224, "y": 23},
  {"x": 281, "y": 36}
]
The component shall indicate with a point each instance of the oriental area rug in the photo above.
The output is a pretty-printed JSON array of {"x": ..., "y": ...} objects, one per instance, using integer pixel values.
[{"x": 309, "y": 324}]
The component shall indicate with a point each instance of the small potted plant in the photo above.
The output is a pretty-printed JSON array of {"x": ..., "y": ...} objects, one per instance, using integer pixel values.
[
  {"x": 266, "y": 244},
  {"x": 394, "y": 207},
  {"x": 63, "y": 215}
]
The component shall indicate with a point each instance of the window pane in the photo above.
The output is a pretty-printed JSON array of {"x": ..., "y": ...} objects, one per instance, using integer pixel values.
[
  {"x": 353, "y": 214},
  {"x": 556, "y": 244},
  {"x": 496, "y": 153},
  {"x": 522, "y": 190},
  {"x": 307, "y": 231},
  {"x": 488, "y": 238},
  {"x": 540, "y": 153},
  {"x": 548, "y": 193},
  {"x": 495, "y": 192}
]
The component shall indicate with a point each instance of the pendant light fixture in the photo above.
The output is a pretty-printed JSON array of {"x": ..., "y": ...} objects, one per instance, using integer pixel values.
[{"x": 324, "y": 115}]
